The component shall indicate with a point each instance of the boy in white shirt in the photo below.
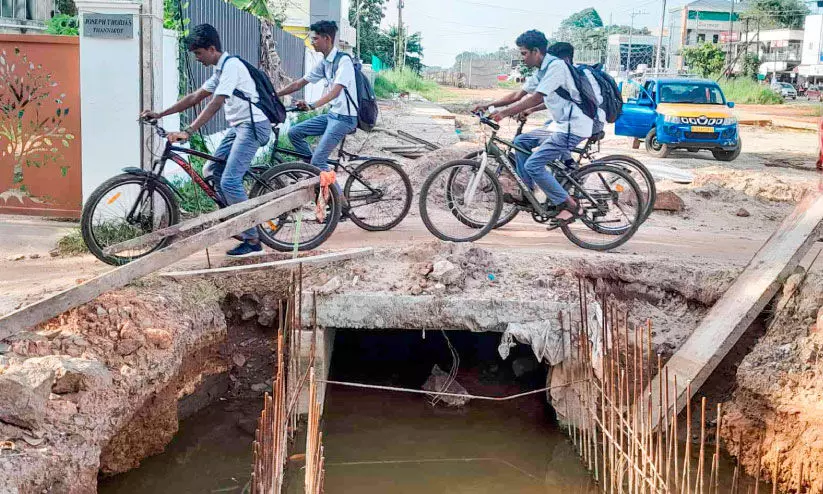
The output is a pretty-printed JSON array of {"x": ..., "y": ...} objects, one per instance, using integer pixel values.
[
  {"x": 337, "y": 69},
  {"x": 248, "y": 126}
]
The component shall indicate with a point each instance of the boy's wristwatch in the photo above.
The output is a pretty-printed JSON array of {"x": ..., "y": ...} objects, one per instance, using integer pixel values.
[{"x": 310, "y": 105}]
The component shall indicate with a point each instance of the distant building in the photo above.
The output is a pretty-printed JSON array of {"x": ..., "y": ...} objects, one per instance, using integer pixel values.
[
  {"x": 703, "y": 21},
  {"x": 779, "y": 51},
  {"x": 300, "y": 14},
  {"x": 641, "y": 47},
  {"x": 25, "y": 16},
  {"x": 811, "y": 57}
]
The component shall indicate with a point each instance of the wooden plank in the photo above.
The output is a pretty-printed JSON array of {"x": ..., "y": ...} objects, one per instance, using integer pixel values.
[
  {"x": 313, "y": 260},
  {"x": 208, "y": 219},
  {"x": 432, "y": 146},
  {"x": 729, "y": 318},
  {"x": 43, "y": 310}
]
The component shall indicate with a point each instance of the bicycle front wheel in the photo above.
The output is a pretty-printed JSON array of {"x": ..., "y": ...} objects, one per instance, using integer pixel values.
[
  {"x": 509, "y": 211},
  {"x": 455, "y": 191},
  {"x": 123, "y": 208},
  {"x": 301, "y": 226},
  {"x": 612, "y": 207},
  {"x": 379, "y": 194}
]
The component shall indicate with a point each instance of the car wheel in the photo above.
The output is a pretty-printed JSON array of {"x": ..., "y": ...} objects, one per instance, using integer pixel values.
[
  {"x": 721, "y": 155},
  {"x": 655, "y": 147}
]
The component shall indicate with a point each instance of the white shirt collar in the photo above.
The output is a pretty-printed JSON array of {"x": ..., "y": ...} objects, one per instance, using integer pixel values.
[
  {"x": 221, "y": 61},
  {"x": 332, "y": 54}
]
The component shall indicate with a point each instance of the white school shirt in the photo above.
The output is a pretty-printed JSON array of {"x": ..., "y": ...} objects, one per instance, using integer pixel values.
[
  {"x": 344, "y": 76},
  {"x": 230, "y": 74},
  {"x": 567, "y": 117}
]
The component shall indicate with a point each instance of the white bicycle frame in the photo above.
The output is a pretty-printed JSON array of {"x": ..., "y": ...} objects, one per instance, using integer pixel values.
[{"x": 468, "y": 195}]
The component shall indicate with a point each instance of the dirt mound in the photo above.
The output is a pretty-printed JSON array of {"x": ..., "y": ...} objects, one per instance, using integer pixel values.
[
  {"x": 780, "y": 391},
  {"x": 761, "y": 185},
  {"x": 420, "y": 168}
]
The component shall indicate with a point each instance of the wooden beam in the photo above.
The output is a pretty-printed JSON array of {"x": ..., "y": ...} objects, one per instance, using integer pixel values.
[
  {"x": 313, "y": 260},
  {"x": 732, "y": 315},
  {"x": 43, "y": 310},
  {"x": 208, "y": 219}
]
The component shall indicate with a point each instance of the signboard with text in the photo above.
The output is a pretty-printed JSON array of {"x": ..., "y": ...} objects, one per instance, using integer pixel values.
[{"x": 118, "y": 26}]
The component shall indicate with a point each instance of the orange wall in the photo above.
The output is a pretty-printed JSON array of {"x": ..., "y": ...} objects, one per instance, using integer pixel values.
[{"x": 40, "y": 167}]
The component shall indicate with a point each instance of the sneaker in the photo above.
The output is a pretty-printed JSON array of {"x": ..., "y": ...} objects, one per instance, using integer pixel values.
[{"x": 245, "y": 249}]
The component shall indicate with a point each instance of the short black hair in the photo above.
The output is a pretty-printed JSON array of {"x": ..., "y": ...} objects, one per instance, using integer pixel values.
[
  {"x": 533, "y": 40},
  {"x": 203, "y": 36},
  {"x": 325, "y": 28},
  {"x": 561, "y": 49}
]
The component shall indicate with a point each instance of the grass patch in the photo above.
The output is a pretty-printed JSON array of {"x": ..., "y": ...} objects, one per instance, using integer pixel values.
[
  {"x": 748, "y": 91},
  {"x": 509, "y": 84},
  {"x": 389, "y": 82},
  {"x": 72, "y": 244}
]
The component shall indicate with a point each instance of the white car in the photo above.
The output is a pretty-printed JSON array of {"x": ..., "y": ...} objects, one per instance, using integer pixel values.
[{"x": 785, "y": 90}]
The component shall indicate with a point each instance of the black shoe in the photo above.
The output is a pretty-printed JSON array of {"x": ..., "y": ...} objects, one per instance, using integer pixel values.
[
  {"x": 517, "y": 201},
  {"x": 245, "y": 249}
]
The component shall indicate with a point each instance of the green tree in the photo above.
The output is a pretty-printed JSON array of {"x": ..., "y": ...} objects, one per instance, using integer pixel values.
[
  {"x": 789, "y": 14},
  {"x": 751, "y": 65},
  {"x": 371, "y": 12},
  {"x": 706, "y": 58},
  {"x": 585, "y": 19}
]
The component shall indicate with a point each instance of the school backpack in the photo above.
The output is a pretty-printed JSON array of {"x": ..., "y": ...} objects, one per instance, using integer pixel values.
[
  {"x": 612, "y": 98},
  {"x": 267, "y": 101},
  {"x": 366, "y": 104},
  {"x": 588, "y": 100}
]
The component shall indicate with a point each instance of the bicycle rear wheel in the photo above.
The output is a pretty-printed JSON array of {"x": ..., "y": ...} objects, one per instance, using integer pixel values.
[
  {"x": 446, "y": 201},
  {"x": 379, "y": 194},
  {"x": 612, "y": 207},
  {"x": 639, "y": 173},
  {"x": 301, "y": 225},
  {"x": 125, "y": 207}
]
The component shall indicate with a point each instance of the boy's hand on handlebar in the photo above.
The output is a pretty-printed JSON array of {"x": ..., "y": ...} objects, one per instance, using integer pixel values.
[
  {"x": 149, "y": 115},
  {"x": 480, "y": 109},
  {"x": 178, "y": 136},
  {"x": 497, "y": 117},
  {"x": 302, "y": 105}
]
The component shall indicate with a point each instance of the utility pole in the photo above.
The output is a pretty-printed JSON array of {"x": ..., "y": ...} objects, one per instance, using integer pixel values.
[
  {"x": 401, "y": 55},
  {"x": 357, "y": 26},
  {"x": 631, "y": 32},
  {"x": 731, "y": 37},
  {"x": 660, "y": 40}
]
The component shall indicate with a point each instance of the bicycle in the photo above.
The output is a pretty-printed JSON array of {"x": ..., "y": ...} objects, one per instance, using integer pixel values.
[
  {"x": 139, "y": 201},
  {"x": 609, "y": 197},
  {"x": 377, "y": 193},
  {"x": 630, "y": 165}
]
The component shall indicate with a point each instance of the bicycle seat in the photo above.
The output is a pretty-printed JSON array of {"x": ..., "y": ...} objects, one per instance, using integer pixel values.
[{"x": 597, "y": 137}]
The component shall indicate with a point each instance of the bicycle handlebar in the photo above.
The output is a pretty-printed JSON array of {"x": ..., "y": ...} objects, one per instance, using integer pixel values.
[{"x": 486, "y": 120}]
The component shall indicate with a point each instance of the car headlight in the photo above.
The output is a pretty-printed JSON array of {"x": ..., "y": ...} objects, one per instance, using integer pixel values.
[
  {"x": 671, "y": 119},
  {"x": 730, "y": 121}
]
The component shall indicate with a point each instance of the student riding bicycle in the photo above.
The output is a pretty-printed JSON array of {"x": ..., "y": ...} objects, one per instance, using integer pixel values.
[{"x": 248, "y": 126}]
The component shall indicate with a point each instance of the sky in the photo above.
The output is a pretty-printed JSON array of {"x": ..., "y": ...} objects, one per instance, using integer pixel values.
[{"x": 453, "y": 26}]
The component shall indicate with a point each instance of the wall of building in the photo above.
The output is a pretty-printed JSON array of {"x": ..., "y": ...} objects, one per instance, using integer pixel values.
[{"x": 25, "y": 16}]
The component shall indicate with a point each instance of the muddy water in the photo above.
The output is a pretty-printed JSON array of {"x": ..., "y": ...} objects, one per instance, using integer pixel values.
[
  {"x": 379, "y": 442},
  {"x": 209, "y": 454}
]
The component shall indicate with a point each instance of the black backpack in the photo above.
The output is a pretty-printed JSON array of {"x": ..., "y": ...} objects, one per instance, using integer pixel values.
[
  {"x": 267, "y": 102},
  {"x": 588, "y": 100},
  {"x": 612, "y": 98},
  {"x": 366, "y": 104}
]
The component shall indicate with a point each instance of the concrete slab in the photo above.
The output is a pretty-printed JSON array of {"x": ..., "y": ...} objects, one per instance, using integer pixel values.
[{"x": 26, "y": 235}]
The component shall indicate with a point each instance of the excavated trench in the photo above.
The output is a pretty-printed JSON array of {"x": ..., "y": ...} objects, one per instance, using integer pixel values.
[{"x": 188, "y": 364}]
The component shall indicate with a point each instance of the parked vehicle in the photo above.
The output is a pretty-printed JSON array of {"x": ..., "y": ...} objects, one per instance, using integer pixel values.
[
  {"x": 688, "y": 114},
  {"x": 814, "y": 93},
  {"x": 785, "y": 90}
]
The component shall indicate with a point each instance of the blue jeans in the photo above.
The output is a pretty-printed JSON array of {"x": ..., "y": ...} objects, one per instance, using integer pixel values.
[
  {"x": 556, "y": 146},
  {"x": 528, "y": 141},
  {"x": 331, "y": 126},
  {"x": 238, "y": 148}
]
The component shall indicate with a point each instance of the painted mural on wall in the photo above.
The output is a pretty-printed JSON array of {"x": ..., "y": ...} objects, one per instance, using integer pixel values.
[{"x": 39, "y": 126}]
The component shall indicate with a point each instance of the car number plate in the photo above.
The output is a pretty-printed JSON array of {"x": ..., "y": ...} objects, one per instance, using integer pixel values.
[{"x": 697, "y": 128}]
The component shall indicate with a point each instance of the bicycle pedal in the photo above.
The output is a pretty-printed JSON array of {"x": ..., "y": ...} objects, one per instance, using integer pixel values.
[{"x": 517, "y": 201}]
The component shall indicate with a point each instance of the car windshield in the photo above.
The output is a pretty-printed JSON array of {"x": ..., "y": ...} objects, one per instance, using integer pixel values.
[
  {"x": 691, "y": 93},
  {"x": 787, "y": 85}
]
